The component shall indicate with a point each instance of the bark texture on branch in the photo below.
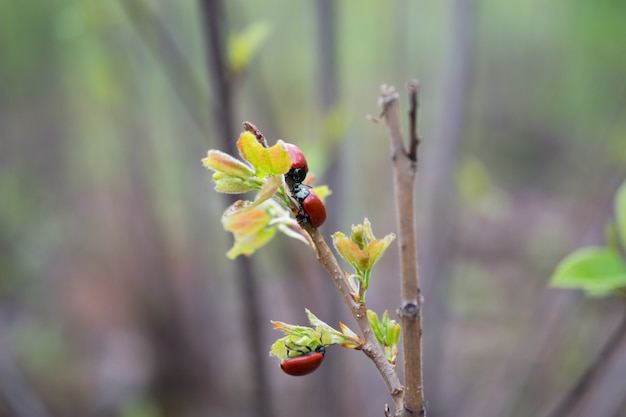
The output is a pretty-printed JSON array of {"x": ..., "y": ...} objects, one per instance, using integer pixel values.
[{"x": 404, "y": 159}]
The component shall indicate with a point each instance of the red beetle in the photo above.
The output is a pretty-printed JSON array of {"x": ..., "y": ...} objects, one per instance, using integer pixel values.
[
  {"x": 312, "y": 208},
  {"x": 299, "y": 167},
  {"x": 304, "y": 364}
]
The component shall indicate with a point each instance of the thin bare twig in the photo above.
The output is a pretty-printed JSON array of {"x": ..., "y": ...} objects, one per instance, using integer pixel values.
[
  {"x": 371, "y": 347},
  {"x": 405, "y": 172},
  {"x": 413, "y": 87},
  {"x": 249, "y": 127}
]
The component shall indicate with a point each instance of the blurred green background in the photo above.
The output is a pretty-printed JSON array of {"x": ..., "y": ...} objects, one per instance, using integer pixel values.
[{"x": 116, "y": 298}]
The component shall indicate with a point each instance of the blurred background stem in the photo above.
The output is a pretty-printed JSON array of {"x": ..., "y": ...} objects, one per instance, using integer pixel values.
[{"x": 224, "y": 115}]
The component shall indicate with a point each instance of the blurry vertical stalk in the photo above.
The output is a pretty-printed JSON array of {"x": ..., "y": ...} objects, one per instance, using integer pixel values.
[
  {"x": 439, "y": 187},
  {"x": 188, "y": 383},
  {"x": 213, "y": 20},
  {"x": 327, "y": 86}
]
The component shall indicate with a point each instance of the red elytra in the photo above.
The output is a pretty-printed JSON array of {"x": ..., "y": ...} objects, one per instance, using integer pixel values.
[
  {"x": 304, "y": 364},
  {"x": 299, "y": 166},
  {"x": 313, "y": 209}
]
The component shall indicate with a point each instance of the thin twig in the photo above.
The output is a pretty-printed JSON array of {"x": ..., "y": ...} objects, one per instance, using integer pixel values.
[
  {"x": 405, "y": 172},
  {"x": 413, "y": 88},
  {"x": 249, "y": 127},
  {"x": 371, "y": 347}
]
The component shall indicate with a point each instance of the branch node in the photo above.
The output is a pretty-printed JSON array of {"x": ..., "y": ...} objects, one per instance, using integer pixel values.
[
  {"x": 420, "y": 412},
  {"x": 388, "y": 95},
  {"x": 405, "y": 168},
  {"x": 409, "y": 309}
]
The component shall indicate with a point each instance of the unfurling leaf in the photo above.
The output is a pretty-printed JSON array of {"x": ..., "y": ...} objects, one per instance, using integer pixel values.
[
  {"x": 387, "y": 333},
  {"x": 231, "y": 185},
  {"x": 350, "y": 251},
  {"x": 250, "y": 227},
  {"x": 222, "y": 162},
  {"x": 347, "y": 338},
  {"x": 270, "y": 161},
  {"x": 231, "y": 175},
  {"x": 312, "y": 337},
  {"x": 362, "y": 250}
]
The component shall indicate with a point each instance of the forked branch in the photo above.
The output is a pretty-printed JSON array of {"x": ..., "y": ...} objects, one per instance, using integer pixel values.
[{"x": 404, "y": 160}]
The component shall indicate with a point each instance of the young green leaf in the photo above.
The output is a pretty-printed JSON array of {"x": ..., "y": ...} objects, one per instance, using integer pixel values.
[
  {"x": 393, "y": 334},
  {"x": 350, "y": 251},
  {"x": 387, "y": 333},
  {"x": 250, "y": 227},
  {"x": 232, "y": 185},
  {"x": 293, "y": 344},
  {"x": 598, "y": 271},
  {"x": 312, "y": 337},
  {"x": 231, "y": 175},
  {"x": 270, "y": 161},
  {"x": 379, "y": 332},
  {"x": 222, "y": 162},
  {"x": 362, "y": 250},
  {"x": 346, "y": 338}
]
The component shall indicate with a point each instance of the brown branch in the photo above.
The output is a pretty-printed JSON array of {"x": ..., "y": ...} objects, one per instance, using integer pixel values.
[
  {"x": 405, "y": 172},
  {"x": 371, "y": 347}
]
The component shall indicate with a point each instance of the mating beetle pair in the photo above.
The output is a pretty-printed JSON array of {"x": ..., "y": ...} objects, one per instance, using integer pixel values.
[{"x": 312, "y": 208}]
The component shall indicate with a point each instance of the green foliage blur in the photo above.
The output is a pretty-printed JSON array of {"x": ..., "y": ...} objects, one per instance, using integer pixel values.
[
  {"x": 116, "y": 298},
  {"x": 599, "y": 271}
]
